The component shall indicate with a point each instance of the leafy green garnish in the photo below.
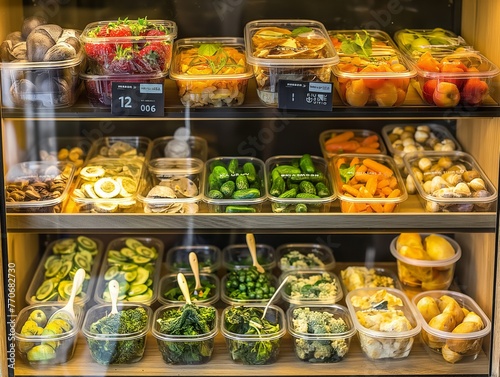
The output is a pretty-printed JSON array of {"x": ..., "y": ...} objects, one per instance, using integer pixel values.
[
  {"x": 347, "y": 172},
  {"x": 300, "y": 30},
  {"x": 361, "y": 45},
  {"x": 208, "y": 49}
]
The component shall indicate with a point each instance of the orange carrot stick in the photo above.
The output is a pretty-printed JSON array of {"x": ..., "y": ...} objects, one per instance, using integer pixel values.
[
  {"x": 371, "y": 184},
  {"x": 369, "y": 140},
  {"x": 389, "y": 207},
  {"x": 351, "y": 190},
  {"x": 367, "y": 150},
  {"x": 378, "y": 167},
  {"x": 344, "y": 136},
  {"x": 344, "y": 146}
]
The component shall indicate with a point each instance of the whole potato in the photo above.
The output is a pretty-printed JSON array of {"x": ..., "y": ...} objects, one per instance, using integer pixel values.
[
  {"x": 428, "y": 307},
  {"x": 31, "y": 23}
]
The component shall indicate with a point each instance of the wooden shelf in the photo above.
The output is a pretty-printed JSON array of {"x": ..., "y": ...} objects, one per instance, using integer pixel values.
[
  {"x": 410, "y": 216},
  {"x": 252, "y": 108},
  {"x": 420, "y": 362}
]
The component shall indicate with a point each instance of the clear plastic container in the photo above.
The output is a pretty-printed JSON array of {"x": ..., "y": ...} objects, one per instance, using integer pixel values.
[
  {"x": 226, "y": 295},
  {"x": 185, "y": 349},
  {"x": 390, "y": 318},
  {"x": 354, "y": 277},
  {"x": 170, "y": 293},
  {"x": 382, "y": 188},
  {"x": 450, "y": 182},
  {"x": 38, "y": 186},
  {"x": 172, "y": 185},
  {"x": 210, "y": 71},
  {"x": 375, "y": 76},
  {"x": 118, "y": 347},
  {"x": 99, "y": 88},
  {"x": 425, "y": 274},
  {"x": 298, "y": 50},
  {"x": 237, "y": 256},
  {"x": 178, "y": 147},
  {"x": 305, "y": 256},
  {"x": 135, "y": 266},
  {"x": 294, "y": 203},
  {"x": 464, "y": 342},
  {"x": 209, "y": 258},
  {"x": 108, "y": 185},
  {"x": 248, "y": 344},
  {"x": 55, "y": 346},
  {"x": 50, "y": 84},
  {"x": 449, "y": 75},
  {"x": 65, "y": 149},
  {"x": 311, "y": 287},
  {"x": 120, "y": 147},
  {"x": 359, "y": 141},
  {"x": 314, "y": 345},
  {"x": 245, "y": 203},
  {"x": 402, "y": 139},
  {"x": 146, "y": 49},
  {"x": 53, "y": 278}
]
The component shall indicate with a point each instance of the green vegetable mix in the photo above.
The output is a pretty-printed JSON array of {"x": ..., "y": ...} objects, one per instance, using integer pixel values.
[
  {"x": 113, "y": 351},
  {"x": 249, "y": 284},
  {"x": 187, "y": 321},
  {"x": 247, "y": 321}
]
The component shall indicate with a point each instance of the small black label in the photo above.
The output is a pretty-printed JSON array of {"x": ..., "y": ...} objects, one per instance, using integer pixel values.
[
  {"x": 137, "y": 99},
  {"x": 304, "y": 95}
]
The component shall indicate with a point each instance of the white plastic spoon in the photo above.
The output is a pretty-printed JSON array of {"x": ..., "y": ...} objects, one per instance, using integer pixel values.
[
  {"x": 253, "y": 252},
  {"x": 67, "y": 312},
  {"x": 193, "y": 262},
  {"x": 181, "y": 280},
  {"x": 274, "y": 296},
  {"x": 114, "y": 289}
]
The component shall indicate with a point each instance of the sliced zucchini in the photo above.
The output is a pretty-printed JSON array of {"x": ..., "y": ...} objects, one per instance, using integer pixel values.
[
  {"x": 142, "y": 297},
  {"x": 115, "y": 254},
  {"x": 127, "y": 252},
  {"x": 123, "y": 288},
  {"x": 137, "y": 289},
  {"x": 129, "y": 267},
  {"x": 53, "y": 268},
  {"x": 61, "y": 289},
  {"x": 82, "y": 262},
  {"x": 139, "y": 259},
  {"x": 149, "y": 282},
  {"x": 87, "y": 255},
  {"x": 64, "y": 246},
  {"x": 146, "y": 252},
  {"x": 133, "y": 243},
  {"x": 65, "y": 269},
  {"x": 142, "y": 276},
  {"x": 107, "y": 188},
  {"x": 86, "y": 243},
  {"x": 111, "y": 272},
  {"x": 51, "y": 259},
  {"x": 45, "y": 290},
  {"x": 130, "y": 276}
]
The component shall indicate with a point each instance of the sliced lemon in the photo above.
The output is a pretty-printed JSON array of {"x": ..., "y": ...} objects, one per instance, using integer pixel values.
[
  {"x": 92, "y": 173},
  {"x": 128, "y": 186},
  {"x": 107, "y": 188}
]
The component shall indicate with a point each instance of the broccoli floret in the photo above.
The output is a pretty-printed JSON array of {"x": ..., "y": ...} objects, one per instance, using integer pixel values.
[
  {"x": 127, "y": 321},
  {"x": 317, "y": 322}
]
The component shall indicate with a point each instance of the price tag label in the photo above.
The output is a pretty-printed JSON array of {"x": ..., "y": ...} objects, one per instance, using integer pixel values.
[
  {"x": 137, "y": 99},
  {"x": 304, "y": 95}
]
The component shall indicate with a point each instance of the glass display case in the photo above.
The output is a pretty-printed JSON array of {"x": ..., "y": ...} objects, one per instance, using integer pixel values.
[{"x": 50, "y": 122}]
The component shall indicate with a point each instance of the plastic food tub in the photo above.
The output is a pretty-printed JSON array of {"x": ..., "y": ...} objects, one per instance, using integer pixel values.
[
  {"x": 375, "y": 76},
  {"x": 350, "y": 141},
  {"x": 450, "y": 182},
  {"x": 282, "y": 176},
  {"x": 426, "y": 274},
  {"x": 226, "y": 290},
  {"x": 243, "y": 348},
  {"x": 172, "y": 185},
  {"x": 354, "y": 277},
  {"x": 305, "y": 256},
  {"x": 220, "y": 170},
  {"x": 449, "y": 75},
  {"x": 460, "y": 342},
  {"x": 38, "y": 186},
  {"x": 65, "y": 149},
  {"x": 311, "y": 287},
  {"x": 179, "y": 147},
  {"x": 210, "y": 71},
  {"x": 209, "y": 258},
  {"x": 237, "y": 256},
  {"x": 144, "y": 47},
  {"x": 382, "y": 188},
  {"x": 185, "y": 349},
  {"x": 53, "y": 278},
  {"x": 402, "y": 139},
  {"x": 312, "y": 344},
  {"x": 49, "y": 84},
  {"x": 170, "y": 293},
  {"x": 99, "y": 88},
  {"x": 55, "y": 345},
  {"x": 391, "y": 338},
  {"x": 121, "y": 147},
  {"x": 136, "y": 264},
  {"x": 287, "y": 50},
  {"x": 128, "y": 346}
]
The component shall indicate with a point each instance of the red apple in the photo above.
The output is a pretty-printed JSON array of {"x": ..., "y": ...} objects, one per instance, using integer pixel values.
[
  {"x": 428, "y": 90},
  {"x": 446, "y": 94},
  {"x": 474, "y": 91}
]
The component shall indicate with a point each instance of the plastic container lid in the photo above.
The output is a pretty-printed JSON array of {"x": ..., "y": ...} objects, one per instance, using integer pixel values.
[
  {"x": 186, "y": 45},
  {"x": 183, "y": 146},
  {"x": 59, "y": 64},
  {"x": 314, "y": 29}
]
